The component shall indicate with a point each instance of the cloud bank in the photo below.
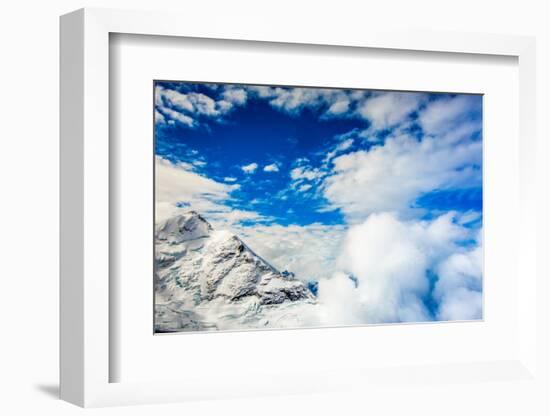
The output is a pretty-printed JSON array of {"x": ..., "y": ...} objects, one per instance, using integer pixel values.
[
  {"x": 188, "y": 108},
  {"x": 391, "y": 176},
  {"x": 404, "y": 271},
  {"x": 178, "y": 188}
]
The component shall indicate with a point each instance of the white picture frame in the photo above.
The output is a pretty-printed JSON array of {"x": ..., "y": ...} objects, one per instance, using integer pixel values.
[{"x": 85, "y": 210}]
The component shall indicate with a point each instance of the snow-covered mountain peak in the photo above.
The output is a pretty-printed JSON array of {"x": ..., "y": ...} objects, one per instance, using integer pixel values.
[
  {"x": 210, "y": 279},
  {"x": 184, "y": 227}
]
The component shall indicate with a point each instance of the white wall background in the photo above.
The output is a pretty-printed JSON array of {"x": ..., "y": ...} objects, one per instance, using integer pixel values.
[{"x": 29, "y": 205}]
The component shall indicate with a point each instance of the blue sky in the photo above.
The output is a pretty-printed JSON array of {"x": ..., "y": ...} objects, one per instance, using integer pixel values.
[
  {"x": 375, "y": 197},
  {"x": 280, "y": 147}
]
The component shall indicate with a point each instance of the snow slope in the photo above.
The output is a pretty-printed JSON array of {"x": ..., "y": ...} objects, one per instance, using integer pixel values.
[{"x": 211, "y": 280}]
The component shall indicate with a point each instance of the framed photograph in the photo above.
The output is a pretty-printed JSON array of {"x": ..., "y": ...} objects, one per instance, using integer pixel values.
[
  {"x": 293, "y": 207},
  {"x": 278, "y": 213}
]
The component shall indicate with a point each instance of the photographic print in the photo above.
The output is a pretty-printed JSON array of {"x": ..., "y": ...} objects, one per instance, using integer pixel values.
[{"x": 298, "y": 207}]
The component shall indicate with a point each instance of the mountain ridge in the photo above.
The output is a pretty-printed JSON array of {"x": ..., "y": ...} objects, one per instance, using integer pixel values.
[{"x": 207, "y": 279}]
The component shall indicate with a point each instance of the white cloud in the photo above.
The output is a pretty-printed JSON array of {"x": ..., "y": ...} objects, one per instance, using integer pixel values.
[
  {"x": 159, "y": 118},
  {"x": 388, "y": 256},
  {"x": 261, "y": 91},
  {"x": 388, "y": 109},
  {"x": 339, "y": 107},
  {"x": 458, "y": 290},
  {"x": 461, "y": 305},
  {"x": 228, "y": 218},
  {"x": 192, "y": 102},
  {"x": 309, "y": 251},
  {"x": 271, "y": 168},
  {"x": 177, "y": 116},
  {"x": 177, "y": 182},
  {"x": 305, "y": 173},
  {"x": 175, "y": 98},
  {"x": 187, "y": 107},
  {"x": 236, "y": 96},
  {"x": 441, "y": 116},
  {"x": 338, "y": 302},
  {"x": 294, "y": 99},
  {"x": 339, "y": 148},
  {"x": 392, "y": 176},
  {"x": 469, "y": 217},
  {"x": 382, "y": 109},
  {"x": 250, "y": 168},
  {"x": 390, "y": 259}
]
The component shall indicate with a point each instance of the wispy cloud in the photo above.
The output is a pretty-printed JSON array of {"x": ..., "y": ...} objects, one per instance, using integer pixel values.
[
  {"x": 177, "y": 182},
  {"x": 304, "y": 188},
  {"x": 178, "y": 188},
  {"x": 339, "y": 148},
  {"x": 250, "y": 168},
  {"x": 173, "y": 116},
  {"x": 445, "y": 115},
  {"x": 305, "y": 173},
  {"x": 309, "y": 251},
  {"x": 271, "y": 168}
]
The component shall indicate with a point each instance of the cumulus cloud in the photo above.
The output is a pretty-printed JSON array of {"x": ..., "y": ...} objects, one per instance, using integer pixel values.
[
  {"x": 381, "y": 109},
  {"x": 292, "y": 100},
  {"x": 390, "y": 177},
  {"x": 271, "y": 168},
  {"x": 340, "y": 106},
  {"x": 192, "y": 102},
  {"x": 235, "y": 95},
  {"x": 250, "y": 168},
  {"x": 230, "y": 179},
  {"x": 392, "y": 262},
  {"x": 177, "y": 116},
  {"x": 187, "y": 107},
  {"x": 338, "y": 302},
  {"x": 458, "y": 290},
  {"x": 392, "y": 174},
  {"x": 388, "y": 109},
  {"x": 440, "y": 115}
]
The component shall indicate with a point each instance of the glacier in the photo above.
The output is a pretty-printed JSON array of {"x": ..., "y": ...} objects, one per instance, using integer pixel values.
[{"x": 208, "y": 280}]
